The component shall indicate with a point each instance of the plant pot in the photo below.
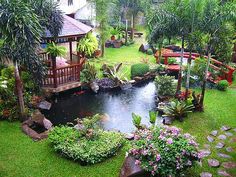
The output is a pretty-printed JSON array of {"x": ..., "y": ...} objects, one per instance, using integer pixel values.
[
  {"x": 97, "y": 53},
  {"x": 113, "y": 38}
]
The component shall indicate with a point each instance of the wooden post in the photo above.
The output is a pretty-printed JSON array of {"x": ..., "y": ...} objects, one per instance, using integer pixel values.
[
  {"x": 132, "y": 27},
  {"x": 54, "y": 67},
  {"x": 70, "y": 46}
]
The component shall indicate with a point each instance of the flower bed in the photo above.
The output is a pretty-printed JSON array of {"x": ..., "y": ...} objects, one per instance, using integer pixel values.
[{"x": 164, "y": 151}]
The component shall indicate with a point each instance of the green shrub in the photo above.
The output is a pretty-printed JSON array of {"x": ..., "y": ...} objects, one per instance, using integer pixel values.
[
  {"x": 165, "y": 85},
  {"x": 139, "y": 69},
  {"x": 222, "y": 85},
  {"x": 149, "y": 52},
  {"x": 170, "y": 60},
  {"x": 68, "y": 142}
]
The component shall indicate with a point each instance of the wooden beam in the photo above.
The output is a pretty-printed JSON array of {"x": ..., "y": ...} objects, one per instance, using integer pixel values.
[{"x": 54, "y": 65}]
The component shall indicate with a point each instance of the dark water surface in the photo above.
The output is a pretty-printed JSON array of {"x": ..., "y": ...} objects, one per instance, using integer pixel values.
[{"x": 116, "y": 106}]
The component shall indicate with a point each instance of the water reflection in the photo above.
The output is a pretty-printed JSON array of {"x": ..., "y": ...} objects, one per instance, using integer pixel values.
[{"x": 116, "y": 107}]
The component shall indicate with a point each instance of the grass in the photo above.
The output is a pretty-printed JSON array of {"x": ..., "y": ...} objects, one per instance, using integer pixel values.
[{"x": 20, "y": 156}]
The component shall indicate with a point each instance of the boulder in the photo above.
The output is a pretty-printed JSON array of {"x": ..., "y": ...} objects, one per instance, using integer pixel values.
[
  {"x": 47, "y": 124},
  {"x": 130, "y": 169},
  {"x": 94, "y": 87},
  {"x": 45, "y": 105},
  {"x": 138, "y": 78},
  {"x": 167, "y": 120},
  {"x": 38, "y": 117}
]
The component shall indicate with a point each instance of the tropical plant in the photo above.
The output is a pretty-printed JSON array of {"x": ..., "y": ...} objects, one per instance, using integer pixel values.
[
  {"x": 139, "y": 69},
  {"x": 165, "y": 85},
  {"x": 149, "y": 148},
  {"x": 88, "y": 45},
  {"x": 55, "y": 50},
  {"x": 115, "y": 73},
  {"x": 21, "y": 24},
  {"x": 153, "y": 117},
  {"x": 222, "y": 85},
  {"x": 136, "y": 120},
  {"x": 89, "y": 73},
  {"x": 178, "y": 110}
]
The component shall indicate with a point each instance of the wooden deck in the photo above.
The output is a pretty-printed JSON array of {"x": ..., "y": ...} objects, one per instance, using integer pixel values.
[{"x": 62, "y": 88}]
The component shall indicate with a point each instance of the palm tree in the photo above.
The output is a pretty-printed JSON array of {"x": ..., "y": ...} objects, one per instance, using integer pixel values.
[{"x": 21, "y": 29}]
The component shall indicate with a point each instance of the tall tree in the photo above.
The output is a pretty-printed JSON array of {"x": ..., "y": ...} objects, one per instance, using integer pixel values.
[
  {"x": 102, "y": 11},
  {"x": 21, "y": 30},
  {"x": 216, "y": 16}
]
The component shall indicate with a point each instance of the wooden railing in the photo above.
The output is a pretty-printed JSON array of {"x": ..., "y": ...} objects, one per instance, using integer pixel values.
[
  {"x": 63, "y": 75},
  {"x": 226, "y": 71}
]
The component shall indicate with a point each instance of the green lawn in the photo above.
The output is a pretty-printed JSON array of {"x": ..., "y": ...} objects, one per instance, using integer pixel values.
[
  {"x": 127, "y": 55},
  {"x": 20, "y": 156}
]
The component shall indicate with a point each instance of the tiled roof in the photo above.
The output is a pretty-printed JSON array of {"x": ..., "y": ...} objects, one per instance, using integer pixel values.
[{"x": 72, "y": 27}]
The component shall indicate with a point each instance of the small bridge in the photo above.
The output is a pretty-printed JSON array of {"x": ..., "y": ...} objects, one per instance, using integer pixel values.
[{"x": 227, "y": 71}]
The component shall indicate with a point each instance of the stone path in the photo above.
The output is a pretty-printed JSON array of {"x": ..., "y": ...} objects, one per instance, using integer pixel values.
[{"x": 221, "y": 143}]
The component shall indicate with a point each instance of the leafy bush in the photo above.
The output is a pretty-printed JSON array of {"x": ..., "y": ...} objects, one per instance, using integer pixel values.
[
  {"x": 68, "y": 142},
  {"x": 89, "y": 73},
  {"x": 139, "y": 69},
  {"x": 165, "y": 85},
  {"x": 170, "y": 61},
  {"x": 222, "y": 85},
  {"x": 86, "y": 143},
  {"x": 178, "y": 109},
  {"x": 88, "y": 45},
  {"x": 136, "y": 120},
  {"x": 164, "y": 151},
  {"x": 149, "y": 52},
  {"x": 8, "y": 99}
]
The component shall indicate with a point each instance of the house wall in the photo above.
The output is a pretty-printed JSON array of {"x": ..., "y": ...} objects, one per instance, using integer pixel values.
[{"x": 69, "y": 9}]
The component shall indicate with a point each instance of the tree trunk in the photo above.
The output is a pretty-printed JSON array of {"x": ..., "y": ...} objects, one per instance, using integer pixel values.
[
  {"x": 103, "y": 49},
  {"x": 178, "y": 90},
  {"x": 19, "y": 93},
  {"x": 132, "y": 26},
  {"x": 159, "y": 53},
  {"x": 205, "y": 80},
  {"x": 188, "y": 75}
]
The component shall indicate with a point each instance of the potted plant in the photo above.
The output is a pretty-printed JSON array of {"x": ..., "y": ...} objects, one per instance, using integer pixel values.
[
  {"x": 88, "y": 45},
  {"x": 114, "y": 32}
]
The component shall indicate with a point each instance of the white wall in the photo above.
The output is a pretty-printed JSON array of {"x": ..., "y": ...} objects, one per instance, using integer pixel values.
[{"x": 68, "y": 9}]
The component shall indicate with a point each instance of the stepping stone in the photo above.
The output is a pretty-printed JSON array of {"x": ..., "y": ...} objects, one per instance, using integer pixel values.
[
  {"x": 213, "y": 163},
  {"x": 222, "y": 137},
  {"x": 220, "y": 145},
  {"x": 234, "y": 129},
  {"x": 225, "y": 128},
  {"x": 214, "y": 132},
  {"x": 205, "y": 152},
  {"x": 229, "y": 149},
  {"x": 229, "y": 134},
  {"x": 210, "y": 139},
  {"x": 229, "y": 165},
  {"x": 207, "y": 146},
  {"x": 233, "y": 140},
  {"x": 223, "y": 173},
  {"x": 223, "y": 155},
  {"x": 205, "y": 174}
]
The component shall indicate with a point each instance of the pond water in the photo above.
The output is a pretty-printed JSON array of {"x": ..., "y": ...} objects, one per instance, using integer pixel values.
[{"x": 115, "y": 106}]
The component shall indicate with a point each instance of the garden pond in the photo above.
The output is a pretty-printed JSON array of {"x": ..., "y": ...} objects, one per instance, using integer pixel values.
[{"x": 116, "y": 107}]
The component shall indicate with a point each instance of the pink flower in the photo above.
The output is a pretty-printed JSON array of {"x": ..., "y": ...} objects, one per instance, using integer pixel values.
[
  {"x": 153, "y": 173},
  {"x": 136, "y": 137},
  {"x": 169, "y": 141},
  {"x": 158, "y": 157},
  {"x": 137, "y": 162}
]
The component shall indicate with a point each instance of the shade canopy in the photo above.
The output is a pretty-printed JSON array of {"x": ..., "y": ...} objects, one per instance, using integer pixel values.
[{"x": 71, "y": 28}]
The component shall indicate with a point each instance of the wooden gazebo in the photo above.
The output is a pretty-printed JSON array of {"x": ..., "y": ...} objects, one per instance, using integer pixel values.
[{"x": 64, "y": 74}]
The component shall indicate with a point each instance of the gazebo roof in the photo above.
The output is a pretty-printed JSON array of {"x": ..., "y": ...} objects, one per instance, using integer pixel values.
[{"x": 71, "y": 28}]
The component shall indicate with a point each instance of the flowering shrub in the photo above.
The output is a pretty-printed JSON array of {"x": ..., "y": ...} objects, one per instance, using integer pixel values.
[{"x": 164, "y": 151}]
